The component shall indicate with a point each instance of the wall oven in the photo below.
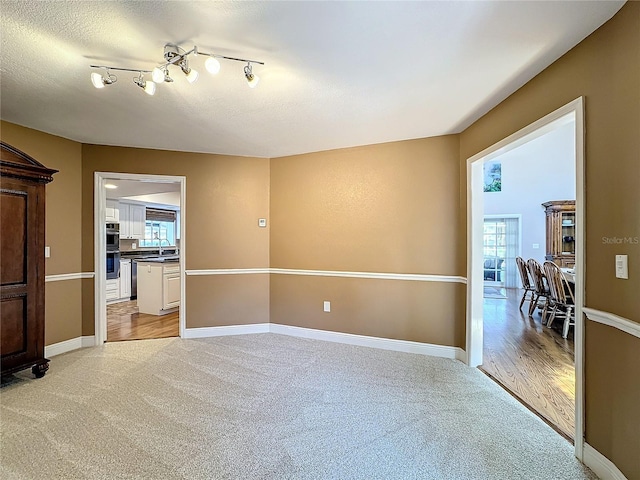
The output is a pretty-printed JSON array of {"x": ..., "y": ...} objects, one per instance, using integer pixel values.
[
  {"x": 113, "y": 265},
  {"x": 113, "y": 237},
  {"x": 113, "y": 251}
]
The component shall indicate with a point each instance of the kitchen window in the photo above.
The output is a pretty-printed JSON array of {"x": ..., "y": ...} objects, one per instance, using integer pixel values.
[{"x": 160, "y": 228}]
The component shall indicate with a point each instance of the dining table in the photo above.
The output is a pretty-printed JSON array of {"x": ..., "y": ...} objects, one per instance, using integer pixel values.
[{"x": 569, "y": 274}]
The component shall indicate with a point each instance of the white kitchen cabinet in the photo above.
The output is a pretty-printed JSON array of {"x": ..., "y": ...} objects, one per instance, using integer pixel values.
[
  {"x": 158, "y": 287},
  {"x": 113, "y": 289},
  {"x": 113, "y": 211},
  {"x": 125, "y": 279},
  {"x": 132, "y": 220},
  {"x": 171, "y": 286}
]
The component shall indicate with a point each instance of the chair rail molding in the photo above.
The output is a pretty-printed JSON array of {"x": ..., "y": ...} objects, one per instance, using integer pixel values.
[
  {"x": 68, "y": 276},
  {"x": 612, "y": 320},
  {"x": 413, "y": 277}
]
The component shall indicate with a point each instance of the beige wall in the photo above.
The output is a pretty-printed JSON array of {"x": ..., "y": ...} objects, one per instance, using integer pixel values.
[
  {"x": 605, "y": 69},
  {"x": 225, "y": 197},
  {"x": 388, "y": 208},
  {"x": 63, "y": 307}
]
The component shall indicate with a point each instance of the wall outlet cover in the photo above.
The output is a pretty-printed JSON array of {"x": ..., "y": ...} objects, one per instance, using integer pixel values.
[{"x": 262, "y": 222}]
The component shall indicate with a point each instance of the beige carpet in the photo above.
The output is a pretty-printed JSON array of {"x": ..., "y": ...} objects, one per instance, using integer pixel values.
[{"x": 269, "y": 407}]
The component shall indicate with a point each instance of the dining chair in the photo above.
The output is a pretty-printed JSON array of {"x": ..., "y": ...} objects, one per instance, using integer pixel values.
[
  {"x": 541, "y": 288},
  {"x": 526, "y": 282},
  {"x": 562, "y": 299}
]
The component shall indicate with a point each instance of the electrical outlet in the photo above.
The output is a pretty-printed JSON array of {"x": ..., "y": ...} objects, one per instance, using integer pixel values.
[
  {"x": 536, "y": 245},
  {"x": 327, "y": 306},
  {"x": 262, "y": 222},
  {"x": 134, "y": 245}
]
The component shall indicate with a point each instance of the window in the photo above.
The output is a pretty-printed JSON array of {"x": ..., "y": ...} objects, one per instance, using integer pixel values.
[
  {"x": 156, "y": 232},
  {"x": 160, "y": 228}
]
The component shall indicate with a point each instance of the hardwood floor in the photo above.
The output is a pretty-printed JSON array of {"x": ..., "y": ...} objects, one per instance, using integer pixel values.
[
  {"x": 124, "y": 322},
  {"x": 531, "y": 361}
]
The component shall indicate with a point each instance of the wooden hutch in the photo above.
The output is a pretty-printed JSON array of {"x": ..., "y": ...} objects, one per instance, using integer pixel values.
[
  {"x": 561, "y": 232},
  {"x": 22, "y": 210}
]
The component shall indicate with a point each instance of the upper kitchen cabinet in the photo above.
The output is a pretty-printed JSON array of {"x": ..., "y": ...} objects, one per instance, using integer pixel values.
[
  {"x": 113, "y": 212},
  {"x": 132, "y": 220}
]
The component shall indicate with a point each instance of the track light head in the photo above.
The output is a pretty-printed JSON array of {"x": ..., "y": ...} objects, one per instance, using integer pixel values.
[
  {"x": 251, "y": 78},
  {"x": 161, "y": 74},
  {"x": 192, "y": 75},
  {"x": 148, "y": 86},
  {"x": 212, "y": 65},
  {"x": 99, "y": 81}
]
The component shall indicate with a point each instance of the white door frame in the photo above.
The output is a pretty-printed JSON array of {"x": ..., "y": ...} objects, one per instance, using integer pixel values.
[
  {"x": 100, "y": 247},
  {"x": 475, "y": 217}
]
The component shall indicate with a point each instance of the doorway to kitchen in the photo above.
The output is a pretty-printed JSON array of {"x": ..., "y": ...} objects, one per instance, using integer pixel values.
[
  {"x": 143, "y": 296},
  {"x": 483, "y": 314}
]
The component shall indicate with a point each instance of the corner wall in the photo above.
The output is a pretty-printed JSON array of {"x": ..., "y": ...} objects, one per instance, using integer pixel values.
[
  {"x": 385, "y": 209},
  {"x": 605, "y": 69},
  {"x": 63, "y": 298},
  {"x": 225, "y": 197}
]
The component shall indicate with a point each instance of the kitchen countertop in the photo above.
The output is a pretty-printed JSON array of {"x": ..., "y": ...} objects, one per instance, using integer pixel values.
[{"x": 166, "y": 259}]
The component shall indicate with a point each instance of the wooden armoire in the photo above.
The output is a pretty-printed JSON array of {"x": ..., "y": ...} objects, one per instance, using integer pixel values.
[{"x": 22, "y": 216}]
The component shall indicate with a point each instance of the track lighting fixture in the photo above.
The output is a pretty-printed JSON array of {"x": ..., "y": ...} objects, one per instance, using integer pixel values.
[{"x": 173, "y": 56}]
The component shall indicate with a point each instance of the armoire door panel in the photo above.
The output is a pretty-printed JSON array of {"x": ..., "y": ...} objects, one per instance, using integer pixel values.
[
  {"x": 14, "y": 326},
  {"x": 13, "y": 255}
]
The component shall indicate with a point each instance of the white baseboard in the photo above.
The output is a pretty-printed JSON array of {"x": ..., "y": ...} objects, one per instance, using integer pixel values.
[
  {"x": 327, "y": 336},
  {"x": 204, "y": 332},
  {"x": 373, "y": 342},
  {"x": 604, "y": 468},
  {"x": 69, "y": 345}
]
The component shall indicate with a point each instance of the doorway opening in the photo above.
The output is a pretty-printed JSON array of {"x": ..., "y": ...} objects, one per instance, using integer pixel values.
[
  {"x": 142, "y": 296},
  {"x": 483, "y": 314}
]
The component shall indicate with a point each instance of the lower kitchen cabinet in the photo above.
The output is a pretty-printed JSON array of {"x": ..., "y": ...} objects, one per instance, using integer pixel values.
[
  {"x": 125, "y": 279},
  {"x": 158, "y": 287},
  {"x": 113, "y": 289},
  {"x": 171, "y": 286}
]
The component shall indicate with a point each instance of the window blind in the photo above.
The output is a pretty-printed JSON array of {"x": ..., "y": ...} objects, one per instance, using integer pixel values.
[{"x": 160, "y": 215}]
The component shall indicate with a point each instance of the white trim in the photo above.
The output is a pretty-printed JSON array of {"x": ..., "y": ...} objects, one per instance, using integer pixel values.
[
  {"x": 475, "y": 212},
  {"x": 99, "y": 220},
  {"x": 228, "y": 271},
  {"x": 601, "y": 465},
  {"x": 612, "y": 320},
  {"x": 204, "y": 332},
  {"x": 442, "y": 351},
  {"x": 68, "y": 276},
  {"x": 68, "y": 345},
  {"x": 453, "y": 353},
  {"x": 415, "y": 277}
]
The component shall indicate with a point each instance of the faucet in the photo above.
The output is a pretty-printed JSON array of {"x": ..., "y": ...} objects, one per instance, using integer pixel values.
[{"x": 160, "y": 246}]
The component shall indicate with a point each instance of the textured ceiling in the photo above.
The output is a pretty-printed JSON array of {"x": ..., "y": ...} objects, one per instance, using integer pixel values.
[{"x": 336, "y": 74}]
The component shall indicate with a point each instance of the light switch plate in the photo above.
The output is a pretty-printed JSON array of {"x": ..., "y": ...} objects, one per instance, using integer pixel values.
[
  {"x": 536, "y": 245},
  {"x": 47, "y": 252},
  {"x": 262, "y": 222},
  {"x": 327, "y": 306},
  {"x": 622, "y": 267}
]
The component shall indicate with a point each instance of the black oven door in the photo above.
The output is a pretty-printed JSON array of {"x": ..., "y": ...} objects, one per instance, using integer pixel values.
[{"x": 113, "y": 265}]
